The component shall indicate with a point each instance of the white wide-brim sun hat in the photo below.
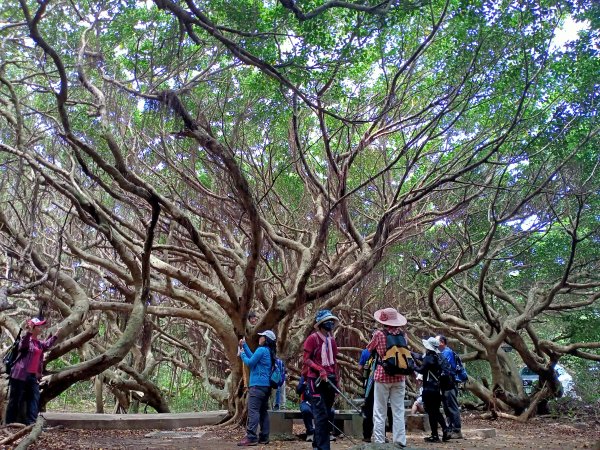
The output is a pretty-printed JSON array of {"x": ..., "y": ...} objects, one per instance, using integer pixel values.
[{"x": 432, "y": 344}]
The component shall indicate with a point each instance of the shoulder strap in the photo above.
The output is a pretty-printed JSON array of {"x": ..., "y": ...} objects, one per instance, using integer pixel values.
[
  {"x": 430, "y": 374},
  {"x": 457, "y": 360}
]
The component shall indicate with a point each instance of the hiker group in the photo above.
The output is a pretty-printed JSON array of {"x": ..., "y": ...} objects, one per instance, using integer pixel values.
[{"x": 386, "y": 363}]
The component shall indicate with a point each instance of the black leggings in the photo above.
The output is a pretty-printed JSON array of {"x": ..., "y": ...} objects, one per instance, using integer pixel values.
[{"x": 432, "y": 401}]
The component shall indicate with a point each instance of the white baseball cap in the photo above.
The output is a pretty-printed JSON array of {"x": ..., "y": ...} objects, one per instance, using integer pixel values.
[{"x": 268, "y": 334}]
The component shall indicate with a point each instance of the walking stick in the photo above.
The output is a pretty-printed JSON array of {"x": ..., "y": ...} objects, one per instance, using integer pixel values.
[
  {"x": 345, "y": 397},
  {"x": 342, "y": 433}
]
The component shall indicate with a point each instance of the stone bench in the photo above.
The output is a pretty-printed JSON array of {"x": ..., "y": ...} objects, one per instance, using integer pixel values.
[{"x": 350, "y": 422}]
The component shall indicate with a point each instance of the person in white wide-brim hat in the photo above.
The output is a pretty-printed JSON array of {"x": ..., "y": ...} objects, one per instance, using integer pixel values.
[
  {"x": 388, "y": 387},
  {"x": 431, "y": 371}
]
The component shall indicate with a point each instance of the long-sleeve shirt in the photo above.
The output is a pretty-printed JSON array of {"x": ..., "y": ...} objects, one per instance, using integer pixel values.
[
  {"x": 32, "y": 359},
  {"x": 259, "y": 363},
  {"x": 378, "y": 344},
  {"x": 431, "y": 371},
  {"x": 312, "y": 356}
]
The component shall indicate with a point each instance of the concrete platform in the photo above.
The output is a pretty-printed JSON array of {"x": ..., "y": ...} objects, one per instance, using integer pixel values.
[
  {"x": 349, "y": 421},
  {"x": 86, "y": 421}
]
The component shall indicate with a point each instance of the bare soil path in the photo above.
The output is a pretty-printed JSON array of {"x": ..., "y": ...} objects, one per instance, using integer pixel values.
[{"x": 540, "y": 433}]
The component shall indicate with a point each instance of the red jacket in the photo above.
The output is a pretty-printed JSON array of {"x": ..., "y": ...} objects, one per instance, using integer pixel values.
[{"x": 312, "y": 356}]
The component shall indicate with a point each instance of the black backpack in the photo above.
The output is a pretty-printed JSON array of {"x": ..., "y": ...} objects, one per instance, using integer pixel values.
[
  {"x": 397, "y": 359},
  {"x": 13, "y": 354}
]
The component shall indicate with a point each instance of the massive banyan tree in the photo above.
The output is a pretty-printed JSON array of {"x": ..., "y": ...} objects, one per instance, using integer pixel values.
[{"x": 166, "y": 167}]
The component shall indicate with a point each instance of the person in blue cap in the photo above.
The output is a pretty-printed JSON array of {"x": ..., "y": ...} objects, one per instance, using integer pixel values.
[
  {"x": 261, "y": 363},
  {"x": 320, "y": 370}
]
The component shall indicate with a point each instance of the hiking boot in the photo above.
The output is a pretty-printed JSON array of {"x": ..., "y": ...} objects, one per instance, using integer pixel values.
[
  {"x": 247, "y": 443},
  {"x": 456, "y": 435},
  {"x": 432, "y": 439},
  {"x": 446, "y": 436}
]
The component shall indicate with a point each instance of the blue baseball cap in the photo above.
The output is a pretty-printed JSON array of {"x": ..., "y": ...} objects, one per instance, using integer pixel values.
[{"x": 323, "y": 316}]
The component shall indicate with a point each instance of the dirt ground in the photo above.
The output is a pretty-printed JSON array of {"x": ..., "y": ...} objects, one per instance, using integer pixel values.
[{"x": 540, "y": 433}]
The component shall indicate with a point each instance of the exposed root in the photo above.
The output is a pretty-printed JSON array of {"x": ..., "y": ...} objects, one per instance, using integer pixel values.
[
  {"x": 18, "y": 435},
  {"x": 35, "y": 433},
  {"x": 530, "y": 410}
]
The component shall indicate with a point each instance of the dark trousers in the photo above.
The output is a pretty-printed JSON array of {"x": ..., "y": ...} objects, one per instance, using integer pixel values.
[
  {"x": 258, "y": 404},
  {"x": 307, "y": 417},
  {"x": 452, "y": 409},
  {"x": 368, "y": 414},
  {"x": 431, "y": 402},
  {"x": 27, "y": 391},
  {"x": 322, "y": 404}
]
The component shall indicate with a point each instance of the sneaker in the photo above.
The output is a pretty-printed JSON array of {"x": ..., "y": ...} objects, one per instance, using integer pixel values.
[
  {"x": 332, "y": 438},
  {"x": 456, "y": 435},
  {"x": 432, "y": 439},
  {"x": 366, "y": 440},
  {"x": 446, "y": 437},
  {"x": 309, "y": 437},
  {"x": 247, "y": 443},
  {"x": 263, "y": 442}
]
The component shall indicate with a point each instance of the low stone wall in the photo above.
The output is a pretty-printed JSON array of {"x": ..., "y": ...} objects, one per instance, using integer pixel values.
[{"x": 169, "y": 421}]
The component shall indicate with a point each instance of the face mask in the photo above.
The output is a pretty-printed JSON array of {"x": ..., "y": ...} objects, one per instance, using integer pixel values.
[{"x": 328, "y": 326}]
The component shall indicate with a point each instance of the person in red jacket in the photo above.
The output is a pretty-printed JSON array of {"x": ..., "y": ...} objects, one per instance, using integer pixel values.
[
  {"x": 27, "y": 371},
  {"x": 320, "y": 369}
]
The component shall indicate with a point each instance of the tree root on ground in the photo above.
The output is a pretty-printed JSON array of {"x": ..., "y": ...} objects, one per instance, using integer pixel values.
[
  {"x": 13, "y": 437},
  {"x": 530, "y": 410},
  {"x": 36, "y": 430}
]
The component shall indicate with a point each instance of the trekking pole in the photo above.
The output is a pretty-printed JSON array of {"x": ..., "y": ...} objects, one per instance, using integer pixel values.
[
  {"x": 345, "y": 397},
  {"x": 342, "y": 433}
]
